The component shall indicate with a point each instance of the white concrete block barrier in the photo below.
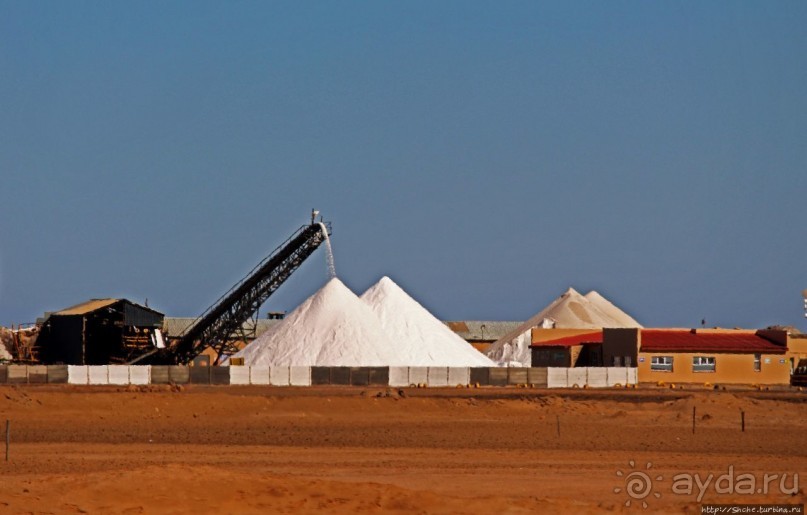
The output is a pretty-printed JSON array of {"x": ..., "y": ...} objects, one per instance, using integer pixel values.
[
  {"x": 557, "y": 377},
  {"x": 300, "y": 376},
  {"x": 578, "y": 377},
  {"x": 139, "y": 374},
  {"x": 633, "y": 376},
  {"x": 418, "y": 376},
  {"x": 118, "y": 374},
  {"x": 78, "y": 374},
  {"x": 597, "y": 377},
  {"x": 239, "y": 375},
  {"x": 399, "y": 376},
  {"x": 617, "y": 376},
  {"x": 279, "y": 376},
  {"x": 437, "y": 376},
  {"x": 459, "y": 376},
  {"x": 98, "y": 374},
  {"x": 258, "y": 375}
]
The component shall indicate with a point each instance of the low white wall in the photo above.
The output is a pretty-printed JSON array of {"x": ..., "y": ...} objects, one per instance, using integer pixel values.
[
  {"x": 459, "y": 375},
  {"x": 418, "y": 375},
  {"x": 557, "y": 377},
  {"x": 118, "y": 374},
  {"x": 617, "y": 376},
  {"x": 300, "y": 376},
  {"x": 633, "y": 376},
  {"x": 258, "y": 375},
  {"x": 77, "y": 374},
  {"x": 438, "y": 376},
  {"x": 239, "y": 375},
  {"x": 399, "y": 376},
  {"x": 577, "y": 377},
  {"x": 279, "y": 376},
  {"x": 98, "y": 374},
  {"x": 140, "y": 374},
  {"x": 597, "y": 377}
]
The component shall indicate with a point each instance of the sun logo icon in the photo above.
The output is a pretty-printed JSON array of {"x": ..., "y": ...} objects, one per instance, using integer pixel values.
[{"x": 638, "y": 484}]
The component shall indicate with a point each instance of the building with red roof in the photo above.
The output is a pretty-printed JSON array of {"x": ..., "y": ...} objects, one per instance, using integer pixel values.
[
  {"x": 700, "y": 355},
  {"x": 717, "y": 356}
]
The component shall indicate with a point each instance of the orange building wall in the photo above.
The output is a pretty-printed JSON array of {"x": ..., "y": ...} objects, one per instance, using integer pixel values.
[{"x": 729, "y": 369}]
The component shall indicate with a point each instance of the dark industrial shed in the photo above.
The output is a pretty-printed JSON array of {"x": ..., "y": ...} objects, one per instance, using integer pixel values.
[{"x": 98, "y": 332}]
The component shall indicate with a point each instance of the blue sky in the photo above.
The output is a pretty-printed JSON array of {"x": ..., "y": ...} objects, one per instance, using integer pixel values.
[{"x": 485, "y": 155}]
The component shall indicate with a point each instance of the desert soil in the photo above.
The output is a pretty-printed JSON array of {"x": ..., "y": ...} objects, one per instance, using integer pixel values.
[{"x": 373, "y": 450}]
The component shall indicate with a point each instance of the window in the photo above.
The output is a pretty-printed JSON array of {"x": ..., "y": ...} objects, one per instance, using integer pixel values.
[
  {"x": 628, "y": 361},
  {"x": 757, "y": 362},
  {"x": 661, "y": 363},
  {"x": 617, "y": 361},
  {"x": 703, "y": 364}
]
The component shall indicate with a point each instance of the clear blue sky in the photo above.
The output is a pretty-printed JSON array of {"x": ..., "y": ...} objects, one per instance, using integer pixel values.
[{"x": 485, "y": 155}]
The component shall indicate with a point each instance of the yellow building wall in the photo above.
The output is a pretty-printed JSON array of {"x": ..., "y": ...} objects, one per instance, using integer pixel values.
[
  {"x": 729, "y": 369},
  {"x": 796, "y": 349}
]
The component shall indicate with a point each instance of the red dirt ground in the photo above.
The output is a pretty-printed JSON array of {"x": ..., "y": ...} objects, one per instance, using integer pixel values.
[{"x": 347, "y": 450}]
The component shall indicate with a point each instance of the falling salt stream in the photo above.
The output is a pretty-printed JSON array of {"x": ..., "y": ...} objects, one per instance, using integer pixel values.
[{"x": 329, "y": 252}]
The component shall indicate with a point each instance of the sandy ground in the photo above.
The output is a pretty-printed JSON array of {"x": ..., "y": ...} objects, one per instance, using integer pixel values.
[{"x": 347, "y": 450}]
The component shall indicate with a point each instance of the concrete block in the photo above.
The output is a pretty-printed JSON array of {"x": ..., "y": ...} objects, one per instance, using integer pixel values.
[
  {"x": 459, "y": 375},
  {"x": 616, "y": 376},
  {"x": 339, "y": 375},
  {"x": 418, "y": 375},
  {"x": 480, "y": 376},
  {"x": 17, "y": 374},
  {"x": 179, "y": 374},
  {"x": 57, "y": 374},
  {"x": 517, "y": 375},
  {"x": 98, "y": 374},
  {"x": 379, "y": 376},
  {"x": 139, "y": 374},
  {"x": 498, "y": 376},
  {"x": 577, "y": 377},
  {"x": 118, "y": 374},
  {"x": 219, "y": 375},
  {"x": 633, "y": 376},
  {"x": 597, "y": 377},
  {"x": 359, "y": 376},
  {"x": 78, "y": 374},
  {"x": 438, "y": 376},
  {"x": 557, "y": 377},
  {"x": 279, "y": 376},
  {"x": 239, "y": 375},
  {"x": 398, "y": 376},
  {"x": 200, "y": 374},
  {"x": 537, "y": 377},
  {"x": 159, "y": 374},
  {"x": 300, "y": 376},
  {"x": 320, "y": 375},
  {"x": 259, "y": 375},
  {"x": 37, "y": 374}
]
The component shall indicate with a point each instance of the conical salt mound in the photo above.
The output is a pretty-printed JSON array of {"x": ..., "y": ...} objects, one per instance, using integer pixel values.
[
  {"x": 612, "y": 311},
  {"x": 332, "y": 328},
  {"x": 569, "y": 311},
  {"x": 421, "y": 338}
]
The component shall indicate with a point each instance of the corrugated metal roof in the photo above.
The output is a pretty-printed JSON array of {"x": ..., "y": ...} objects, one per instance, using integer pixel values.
[
  {"x": 570, "y": 341},
  {"x": 664, "y": 340},
  {"x": 87, "y": 307}
]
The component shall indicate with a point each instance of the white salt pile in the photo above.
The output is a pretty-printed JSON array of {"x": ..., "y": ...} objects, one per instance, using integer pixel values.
[
  {"x": 612, "y": 311},
  {"x": 331, "y": 328},
  {"x": 420, "y": 338},
  {"x": 569, "y": 311}
]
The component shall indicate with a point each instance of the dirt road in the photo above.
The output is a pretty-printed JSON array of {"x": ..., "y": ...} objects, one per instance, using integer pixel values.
[{"x": 288, "y": 450}]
